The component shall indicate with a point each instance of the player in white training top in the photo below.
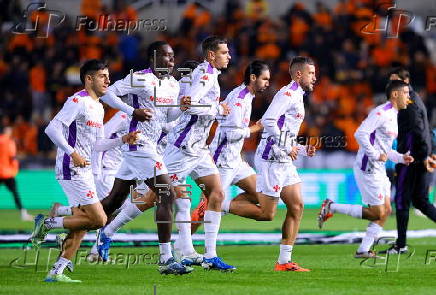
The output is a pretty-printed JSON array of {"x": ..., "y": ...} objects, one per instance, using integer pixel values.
[
  {"x": 277, "y": 176},
  {"x": 158, "y": 91},
  {"x": 145, "y": 198},
  {"x": 227, "y": 145},
  {"x": 77, "y": 130},
  {"x": 375, "y": 136},
  {"x": 187, "y": 153}
]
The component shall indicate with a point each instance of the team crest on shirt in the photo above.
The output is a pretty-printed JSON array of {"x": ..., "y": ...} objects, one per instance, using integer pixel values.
[
  {"x": 288, "y": 93},
  {"x": 75, "y": 99},
  {"x": 380, "y": 197},
  {"x": 159, "y": 165},
  {"x": 123, "y": 116},
  {"x": 205, "y": 77},
  {"x": 299, "y": 116},
  {"x": 174, "y": 177},
  {"x": 238, "y": 104},
  {"x": 90, "y": 194},
  {"x": 276, "y": 188}
]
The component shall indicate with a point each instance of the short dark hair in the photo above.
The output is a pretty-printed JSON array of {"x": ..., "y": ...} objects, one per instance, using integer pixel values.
[
  {"x": 211, "y": 43},
  {"x": 400, "y": 72},
  {"x": 190, "y": 64},
  {"x": 256, "y": 67},
  {"x": 298, "y": 61},
  {"x": 92, "y": 65},
  {"x": 394, "y": 85},
  {"x": 154, "y": 46}
]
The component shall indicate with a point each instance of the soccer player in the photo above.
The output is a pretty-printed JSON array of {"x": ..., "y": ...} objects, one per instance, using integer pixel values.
[
  {"x": 154, "y": 90},
  {"x": 187, "y": 153},
  {"x": 413, "y": 181},
  {"x": 375, "y": 136},
  {"x": 277, "y": 176},
  {"x": 227, "y": 145},
  {"x": 77, "y": 130},
  {"x": 146, "y": 198}
]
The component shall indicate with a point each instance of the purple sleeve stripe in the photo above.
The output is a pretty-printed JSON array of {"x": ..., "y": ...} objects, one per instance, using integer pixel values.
[
  {"x": 387, "y": 107},
  {"x": 280, "y": 123},
  {"x": 72, "y": 134},
  {"x": 219, "y": 149},
  {"x": 243, "y": 92},
  {"x": 209, "y": 69},
  {"x": 134, "y": 123},
  {"x": 162, "y": 135},
  {"x": 185, "y": 131},
  {"x": 365, "y": 157}
]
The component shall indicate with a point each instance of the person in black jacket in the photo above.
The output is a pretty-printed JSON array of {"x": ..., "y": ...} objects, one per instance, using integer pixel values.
[{"x": 412, "y": 181}]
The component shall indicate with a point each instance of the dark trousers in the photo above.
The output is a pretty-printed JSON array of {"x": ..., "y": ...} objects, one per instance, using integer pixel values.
[
  {"x": 412, "y": 184},
  {"x": 12, "y": 187}
]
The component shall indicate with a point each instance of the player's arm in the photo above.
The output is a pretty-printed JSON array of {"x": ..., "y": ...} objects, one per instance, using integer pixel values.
[
  {"x": 233, "y": 126},
  {"x": 363, "y": 134},
  {"x": 269, "y": 121},
  {"x": 200, "y": 86},
  {"x": 122, "y": 88},
  {"x": 104, "y": 144},
  {"x": 397, "y": 157},
  {"x": 71, "y": 110},
  {"x": 422, "y": 140}
]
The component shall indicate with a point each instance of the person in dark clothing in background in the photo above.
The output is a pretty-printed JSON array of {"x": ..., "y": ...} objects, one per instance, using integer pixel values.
[{"x": 412, "y": 181}]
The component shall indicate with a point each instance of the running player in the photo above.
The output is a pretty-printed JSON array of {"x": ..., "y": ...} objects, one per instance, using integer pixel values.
[
  {"x": 77, "y": 130},
  {"x": 187, "y": 153},
  {"x": 277, "y": 177},
  {"x": 227, "y": 145},
  {"x": 155, "y": 91},
  {"x": 375, "y": 136}
]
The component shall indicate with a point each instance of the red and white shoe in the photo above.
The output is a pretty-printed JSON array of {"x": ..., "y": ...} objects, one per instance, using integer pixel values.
[{"x": 324, "y": 213}]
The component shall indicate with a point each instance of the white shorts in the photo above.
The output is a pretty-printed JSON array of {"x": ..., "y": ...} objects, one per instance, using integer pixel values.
[
  {"x": 273, "y": 176},
  {"x": 136, "y": 167},
  {"x": 80, "y": 191},
  {"x": 180, "y": 165},
  {"x": 104, "y": 183},
  {"x": 373, "y": 187},
  {"x": 231, "y": 176}
]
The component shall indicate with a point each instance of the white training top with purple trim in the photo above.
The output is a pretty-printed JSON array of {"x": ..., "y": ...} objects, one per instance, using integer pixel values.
[
  {"x": 140, "y": 91},
  {"x": 82, "y": 121},
  {"x": 281, "y": 123},
  {"x": 232, "y": 129},
  {"x": 375, "y": 136},
  {"x": 194, "y": 124},
  {"x": 116, "y": 127}
]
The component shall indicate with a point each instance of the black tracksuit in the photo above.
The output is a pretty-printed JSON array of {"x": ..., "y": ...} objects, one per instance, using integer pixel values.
[{"x": 413, "y": 181}]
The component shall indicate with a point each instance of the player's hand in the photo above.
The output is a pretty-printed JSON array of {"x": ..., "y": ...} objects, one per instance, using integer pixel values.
[
  {"x": 78, "y": 161},
  {"x": 433, "y": 157},
  {"x": 226, "y": 109},
  {"x": 408, "y": 158},
  {"x": 256, "y": 127},
  {"x": 294, "y": 153},
  {"x": 131, "y": 138},
  {"x": 311, "y": 150},
  {"x": 186, "y": 100},
  {"x": 142, "y": 114},
  {"x": 430, "y": 164},
  {"x": 383, "y": 158}
]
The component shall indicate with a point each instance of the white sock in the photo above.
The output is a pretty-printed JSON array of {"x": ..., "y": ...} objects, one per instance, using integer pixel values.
[
  {"x": 54, "y": 222},
  {"x": 372, "y": 232},
  {"x": 126, "y": 202},
  {"x": 129, "y": 213},
  {"x": 59, "y": 266},
  {"x": 226, "y": 205},
  {"x": 64, "y": 211},
  {"x": 24, "y": 212},
  {"x": 285, "y": 254},
  {"x": 351, "y": 210},
  {"x": 184, "y": 241},
  {"x": 165, "y": 252},
  {"x": 211, "y": 232}
]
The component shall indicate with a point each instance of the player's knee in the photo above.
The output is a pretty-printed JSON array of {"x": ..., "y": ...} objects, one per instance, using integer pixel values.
[
  {"x": 296, "y": 209},
  {"x": 388, "y": 212},
  {"x": 266, "y": 216},
  {"x": 98, "y": 221},
  {"x": 218, "y": 195}
]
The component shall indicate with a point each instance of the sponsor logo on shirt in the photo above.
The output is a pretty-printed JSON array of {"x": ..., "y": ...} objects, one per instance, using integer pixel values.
[
  {"x": 93, "y": 124},
  {"x": 164, "y": 100},
  {"x": 288, "y": 93}
]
